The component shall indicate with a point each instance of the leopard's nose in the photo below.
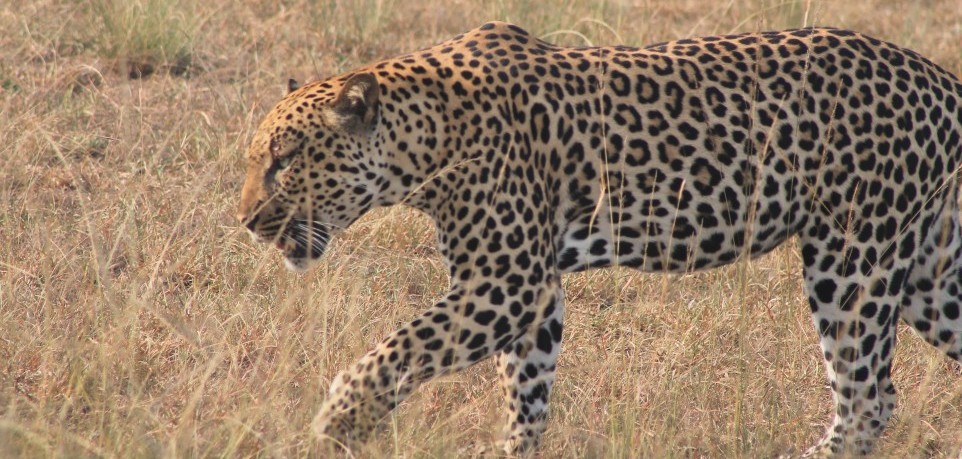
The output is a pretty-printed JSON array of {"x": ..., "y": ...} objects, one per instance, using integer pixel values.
[
  {"x": 252, "y": 222},
  {"x": 249, "y": 223},
  {"x": 246, "y": 213}
]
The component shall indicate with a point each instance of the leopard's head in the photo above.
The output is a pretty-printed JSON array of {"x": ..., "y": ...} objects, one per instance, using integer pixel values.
[{"x": 312, "y": 167}]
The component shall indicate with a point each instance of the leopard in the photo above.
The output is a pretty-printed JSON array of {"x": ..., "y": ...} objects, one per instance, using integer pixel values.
[{"x": 534, "y": 160}]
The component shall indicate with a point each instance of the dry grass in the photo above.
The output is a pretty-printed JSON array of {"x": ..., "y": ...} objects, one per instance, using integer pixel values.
[{"x": 137, "y": 320}]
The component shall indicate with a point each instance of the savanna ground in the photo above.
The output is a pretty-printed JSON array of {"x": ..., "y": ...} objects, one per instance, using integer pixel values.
[{"x": 138, "y": 320}]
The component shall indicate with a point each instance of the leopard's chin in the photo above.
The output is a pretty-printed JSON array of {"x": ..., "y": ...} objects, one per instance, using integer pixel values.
[
  {"x": 298, "y": 265},
  {"x": 297, "y": 258}
]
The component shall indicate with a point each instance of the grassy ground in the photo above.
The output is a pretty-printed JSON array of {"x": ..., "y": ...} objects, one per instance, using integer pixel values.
[{"x": 137, "y": 320}]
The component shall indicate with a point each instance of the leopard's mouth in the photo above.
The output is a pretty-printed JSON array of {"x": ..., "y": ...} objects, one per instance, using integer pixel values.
[
  {"x": 303, "y": 243},
  {"x": 300, "y": 242}
]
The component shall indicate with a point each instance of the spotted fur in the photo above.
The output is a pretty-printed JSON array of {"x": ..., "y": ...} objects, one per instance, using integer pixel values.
[{"x": 536, "y": 160}]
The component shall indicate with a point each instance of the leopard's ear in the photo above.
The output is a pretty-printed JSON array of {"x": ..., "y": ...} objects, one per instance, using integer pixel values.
[
  {"x": 356, "y": 104},
  {"x": 292, "y": 85}
]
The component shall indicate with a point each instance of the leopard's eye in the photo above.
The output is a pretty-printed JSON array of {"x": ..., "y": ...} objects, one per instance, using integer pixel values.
[{"x": 278, "y": 164}]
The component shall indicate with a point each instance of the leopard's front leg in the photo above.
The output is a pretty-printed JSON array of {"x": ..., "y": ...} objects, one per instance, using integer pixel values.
[
  {"x": 472, "y": 322},
  {"x": 527, "y": 372}
]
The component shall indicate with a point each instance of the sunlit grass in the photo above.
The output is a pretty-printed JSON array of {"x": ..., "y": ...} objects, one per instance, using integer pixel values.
[{"x": 144, "y": 35}]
